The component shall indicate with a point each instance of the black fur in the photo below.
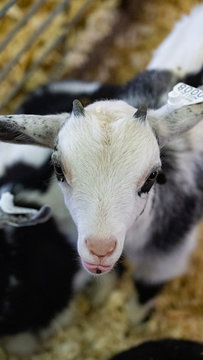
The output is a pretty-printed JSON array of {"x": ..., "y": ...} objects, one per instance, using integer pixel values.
[
  {"x": 24, "y": 176},
  {"x": 167, "y": 349},
  {"x": 194, "y": 79},
  {"x": 146, "y": 291},
  {"x": 37, "y": 263},
  {"x": 150, "y": 88},
  {"x": 44, "y": 101},
  {"x": 199, "y": 174},
  {"x": 42, "y": 264},
  {"x": 175, "y": 210}
]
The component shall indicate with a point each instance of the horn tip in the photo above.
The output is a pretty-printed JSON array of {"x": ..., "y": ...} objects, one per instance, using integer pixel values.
[
  {"x": 78, "y": 109},
  {"x": 141, "y": 112}
]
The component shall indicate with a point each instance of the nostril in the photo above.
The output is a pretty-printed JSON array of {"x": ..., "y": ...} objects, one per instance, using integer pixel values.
[{"x": 101, "y": 247}]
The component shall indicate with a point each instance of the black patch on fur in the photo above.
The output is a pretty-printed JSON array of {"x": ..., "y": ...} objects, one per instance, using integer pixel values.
[
  {"x": 150, "y": 87},
  {"x": 43, "y": 102},
  {"x": 146, "y": 291},
  {"x": 37, "y": 266},
  {"x": 166, "y": 349},
  {"x": 25, "y": 176},
  {"x": 179, "y": 217},
  {"x": 161, "y": 178},
  {"x": 199, "y": 174},
  {"x": 120, "y": 266},
  {"x": 175, "y": 210},
  {"x": 195, "y": 79},
  {"x": 169, "y": 166}
]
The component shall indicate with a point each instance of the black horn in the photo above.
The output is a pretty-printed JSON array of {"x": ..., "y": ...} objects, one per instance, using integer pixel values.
[
  {"x": 78, "y": 109},
  {"x": 141, "y": 113}
]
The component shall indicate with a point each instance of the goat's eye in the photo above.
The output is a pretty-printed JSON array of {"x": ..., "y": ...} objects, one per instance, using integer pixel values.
[
  {"x": 149, "y": 182},
  {"x": 153, "y": 175},
  {"x": 59, "y": 172}
]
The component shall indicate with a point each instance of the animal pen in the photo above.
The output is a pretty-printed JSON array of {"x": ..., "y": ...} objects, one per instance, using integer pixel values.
[{"x": 110, "y": 41}]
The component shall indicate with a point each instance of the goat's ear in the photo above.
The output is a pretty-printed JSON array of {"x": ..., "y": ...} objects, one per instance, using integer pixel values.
[
  {"x": 169, "y": 123},
  {"x": 31, "y": 129}
]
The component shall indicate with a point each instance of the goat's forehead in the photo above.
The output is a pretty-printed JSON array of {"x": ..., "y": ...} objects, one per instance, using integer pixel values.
[
  {"x": 112, "y": 118},
  {"x": 108, "y": 134},
  {"x": 110, "y": 110}
]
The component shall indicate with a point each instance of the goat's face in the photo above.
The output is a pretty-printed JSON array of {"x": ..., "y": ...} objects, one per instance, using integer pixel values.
[
  {"x": 107, "y": 160},
  {"x": 107, "y": 156}
]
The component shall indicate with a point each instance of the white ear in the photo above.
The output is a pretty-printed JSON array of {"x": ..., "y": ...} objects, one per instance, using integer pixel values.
[
  {"x": 31, "y": 129},
  {"x": 170, "y": 123},
  {"x": 10, "y": 214}
]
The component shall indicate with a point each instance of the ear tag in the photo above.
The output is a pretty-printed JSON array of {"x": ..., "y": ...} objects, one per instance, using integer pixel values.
[{"x": 183, "y": 94}]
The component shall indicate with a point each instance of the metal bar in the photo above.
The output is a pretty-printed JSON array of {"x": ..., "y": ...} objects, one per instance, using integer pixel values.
[
  {"x": 58, "y": 70},
  {"x": 33, "y": 38},
  {"x": 50, "y": 48},
  {"x": 20, "y": 24},
  {"x": 6, "y": 7}
]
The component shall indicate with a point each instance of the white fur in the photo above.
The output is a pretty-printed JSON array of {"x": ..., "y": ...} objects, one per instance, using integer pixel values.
[
  {"x": 12, "y": 153},
  {"x": 103, "y": 195},
  {"x": 7, "y": 205},
  {"x": 160, "y": 267},
  {"x": 138, "y": 234},
  {"x": 182, "y": 50},
  {"x": 171, "y": 122},
  {"x": 74, "y": 87},
  {"x": 107, "y": 155}
]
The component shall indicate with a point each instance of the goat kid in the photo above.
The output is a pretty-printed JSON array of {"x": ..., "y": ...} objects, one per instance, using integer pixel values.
[
  {"x": 131, "y": 177},
  {"x": 39, "y": 270}
]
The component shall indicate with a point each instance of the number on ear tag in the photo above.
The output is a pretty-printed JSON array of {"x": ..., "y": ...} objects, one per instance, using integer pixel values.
[{"x": 183, "y": 94}]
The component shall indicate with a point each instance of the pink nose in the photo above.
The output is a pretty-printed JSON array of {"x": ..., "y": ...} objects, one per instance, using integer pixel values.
[{"x": 101, "y": 247}]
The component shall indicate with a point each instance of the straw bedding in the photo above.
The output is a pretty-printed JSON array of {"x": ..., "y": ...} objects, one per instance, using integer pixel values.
[{"x": 112, "y": 42}]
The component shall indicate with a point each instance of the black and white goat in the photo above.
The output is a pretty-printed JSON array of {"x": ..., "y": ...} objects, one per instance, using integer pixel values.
[
  {"x": 39, "y": 270},
  {"x": 131, "y": 176}
]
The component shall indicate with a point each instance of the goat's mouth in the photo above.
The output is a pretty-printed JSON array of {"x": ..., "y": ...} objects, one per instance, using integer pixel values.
[{"x": 96, "y": 268}]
